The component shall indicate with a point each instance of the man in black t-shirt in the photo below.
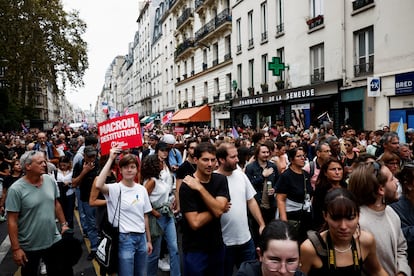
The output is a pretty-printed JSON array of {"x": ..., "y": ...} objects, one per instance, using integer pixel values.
[{"x": 204, "y": 197}]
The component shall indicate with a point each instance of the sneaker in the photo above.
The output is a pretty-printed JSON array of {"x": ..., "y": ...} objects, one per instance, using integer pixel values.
[
  {"x": 163, "y": 265},
  {"x": 43, "y": 270},
  {"x": 91, "y": 255}
]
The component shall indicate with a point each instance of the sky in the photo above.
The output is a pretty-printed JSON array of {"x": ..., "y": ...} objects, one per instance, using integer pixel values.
[{"x": 111, "y": 26}]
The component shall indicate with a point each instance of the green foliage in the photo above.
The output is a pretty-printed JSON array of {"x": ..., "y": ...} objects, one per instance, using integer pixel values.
[{"x": 40, "y": 45}]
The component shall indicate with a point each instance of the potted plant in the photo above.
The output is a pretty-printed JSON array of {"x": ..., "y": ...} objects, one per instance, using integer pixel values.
[
  {"x": 280, "y": 84},
  {"x": 265, "y": 87},
  {"x": 251, "y": 91}
]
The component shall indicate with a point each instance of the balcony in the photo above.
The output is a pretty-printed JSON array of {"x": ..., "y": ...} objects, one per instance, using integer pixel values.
[
  {"x": 227, "y": 57},
  {"x": 185, "y": 17},
  {"x": 363, "y": 69},
  {"x": 318, "y": 76},
  {"x": 280, "y": 28},
  {"x": 215, "y": 62},
  {"x": 358, "y": 4},
  {"x": 239, "y": 48},
  {"x": 215, "y": 26},
  {"x": 184, "y": 48},
  {"x": 264, "y": 36},
  {"x": 315, "y": 22},
  {"x": 251, "y": 42},
  {"x": 199, "y": 6},
  {"x": 204, "y": 66}
]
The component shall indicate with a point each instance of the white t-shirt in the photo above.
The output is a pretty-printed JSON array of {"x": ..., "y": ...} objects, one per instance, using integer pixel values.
[
  {"x": 134, "y": 204},
  {"x": 234, "y": 223}
]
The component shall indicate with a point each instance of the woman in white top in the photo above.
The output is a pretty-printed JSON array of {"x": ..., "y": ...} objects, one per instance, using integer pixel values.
[
  {"x": 154, "y": 174},
  {"x": 67, "y": 193},
  {"x": 134, "y": 235}
]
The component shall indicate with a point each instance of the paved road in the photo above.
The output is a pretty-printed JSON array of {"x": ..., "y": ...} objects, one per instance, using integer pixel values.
[
  {"x": 82, "y": 268},
  {"x": 8, "y": 267}
]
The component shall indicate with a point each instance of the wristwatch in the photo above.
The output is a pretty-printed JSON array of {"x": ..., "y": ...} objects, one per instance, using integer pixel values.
[{"x": 64, "y": 224}]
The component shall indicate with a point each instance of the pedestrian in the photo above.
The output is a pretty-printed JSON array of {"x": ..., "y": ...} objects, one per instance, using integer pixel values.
[
  {"x": 342, "y": 249},
  {"x": 204, "y": 197},
  {"x": 159, "y": 190},
  {"x": 84, "y": 174},
  {"x": 294, "y": 194},
  {"x": 32, "y": 208},
  {"x": 374, "y": 186},
  {"x": 278, "y": 253},
  {"x": 67, "y": 193},
  {"x": 234, "y": 223},
  {"x": 15, "y": 173},
  {"x": 404, "y": 208},
  {"x": 134, "y": 234},
  {"x": 331, "y": 176},
  {"x": 263, "y": 175}
]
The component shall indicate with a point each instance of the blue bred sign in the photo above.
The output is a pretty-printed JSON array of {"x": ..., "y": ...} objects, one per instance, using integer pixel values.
[{"x": 404, "y": 83}]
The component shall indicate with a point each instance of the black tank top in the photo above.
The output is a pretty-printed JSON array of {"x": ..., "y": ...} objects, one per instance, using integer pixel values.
[{"x": 328, "y": 269}]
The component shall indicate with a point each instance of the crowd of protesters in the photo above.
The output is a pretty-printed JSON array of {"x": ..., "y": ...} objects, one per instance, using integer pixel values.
[{"x": 222, "y": 187}]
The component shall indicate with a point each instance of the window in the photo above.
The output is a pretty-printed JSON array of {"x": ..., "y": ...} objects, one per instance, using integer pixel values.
[
  {"x": 264, "y": 69},
  {"x": 251, "y": 73},
  {"x": 263, "y": 9},
  {"x": 280, "y": 28},
  {"x": 317, "y": 63},
  {"x": 239, "y": 76},
  {"x": 316, "y": 8},
  {"x": 215, "y": 54},
  {"x": 364, "y": 52},
  {"x": 238, "y": 35},
  {"x": 250, "y": 27}
]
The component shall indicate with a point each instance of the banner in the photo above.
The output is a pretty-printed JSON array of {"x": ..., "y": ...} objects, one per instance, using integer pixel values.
[{"x": 124, "y": 131}]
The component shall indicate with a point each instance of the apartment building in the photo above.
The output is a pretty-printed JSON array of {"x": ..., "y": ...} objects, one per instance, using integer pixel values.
[{"x": 329, "y": 50}]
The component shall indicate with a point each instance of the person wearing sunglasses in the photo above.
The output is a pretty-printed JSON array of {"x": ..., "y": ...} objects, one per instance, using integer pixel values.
[{"x": 278, "y": 253}]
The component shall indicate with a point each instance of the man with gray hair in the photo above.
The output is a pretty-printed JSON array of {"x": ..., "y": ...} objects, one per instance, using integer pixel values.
[{"x": 32, "y": 207}]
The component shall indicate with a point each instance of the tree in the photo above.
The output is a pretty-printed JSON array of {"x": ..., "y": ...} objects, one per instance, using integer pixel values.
[{"x": 41, "y": 45}]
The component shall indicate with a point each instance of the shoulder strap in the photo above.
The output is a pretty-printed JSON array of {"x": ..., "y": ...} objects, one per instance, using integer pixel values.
[{"x": 317, "y": 242}]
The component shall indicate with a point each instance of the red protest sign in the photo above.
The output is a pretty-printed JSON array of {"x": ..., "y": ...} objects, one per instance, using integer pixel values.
[{"x": 124, "y": 131}]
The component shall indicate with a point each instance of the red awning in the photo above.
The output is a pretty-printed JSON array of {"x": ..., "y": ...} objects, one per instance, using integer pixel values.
[{"x": 193, "y": 114}]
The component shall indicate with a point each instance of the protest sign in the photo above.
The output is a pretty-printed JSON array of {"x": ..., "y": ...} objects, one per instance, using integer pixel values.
[{"x": 124, "y": 131}]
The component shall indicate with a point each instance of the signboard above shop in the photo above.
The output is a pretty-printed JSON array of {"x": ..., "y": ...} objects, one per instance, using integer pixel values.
[{"x": 404, "y": 83}]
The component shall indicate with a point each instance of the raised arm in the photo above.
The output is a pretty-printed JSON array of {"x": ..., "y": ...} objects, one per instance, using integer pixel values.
[{"x": 100, "y": 180}]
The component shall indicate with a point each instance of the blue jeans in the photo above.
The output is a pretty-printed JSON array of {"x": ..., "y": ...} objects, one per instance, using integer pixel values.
[
  {"x": 236, "y": 254},
  {"x": 170, "y": 235},
  {"x": 201, "y": 263},
  {"x": 80, "y": 210},
  {"x": 90, "y": 225},
  {"x": 132, "y": 254}
]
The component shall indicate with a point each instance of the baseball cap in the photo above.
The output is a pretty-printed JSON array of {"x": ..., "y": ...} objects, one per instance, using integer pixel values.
[
  {"x": 154, "y": 137},
  {"x": 90, "y": 151},
  {"x": 168, "y": 138}
]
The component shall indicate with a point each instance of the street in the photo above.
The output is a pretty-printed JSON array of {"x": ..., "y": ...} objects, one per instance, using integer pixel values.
[{"x": 8, "y": 267}]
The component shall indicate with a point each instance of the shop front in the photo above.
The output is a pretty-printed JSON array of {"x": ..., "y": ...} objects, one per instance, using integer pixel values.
[
  {"x": 402, "y": 104},
  {"x": 315, "y": 105}
]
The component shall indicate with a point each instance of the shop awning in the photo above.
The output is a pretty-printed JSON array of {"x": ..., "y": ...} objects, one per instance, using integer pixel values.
[
  {"x": 193, "y": 114},
  {"x": 143, "y": 120}
]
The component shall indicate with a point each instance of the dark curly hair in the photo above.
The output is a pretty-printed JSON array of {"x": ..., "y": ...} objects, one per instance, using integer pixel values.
[{"x": 151, "y": 167}]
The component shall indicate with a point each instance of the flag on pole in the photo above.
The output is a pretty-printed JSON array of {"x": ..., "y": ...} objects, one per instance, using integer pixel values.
[
  {"x": 400, "y": 131},
  {"x": 167, "y": 118},
  {"x": 234, "y": 133}
]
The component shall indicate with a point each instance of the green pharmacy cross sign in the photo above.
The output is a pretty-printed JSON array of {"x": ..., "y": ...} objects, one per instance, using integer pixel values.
[{"x": 276, "y": 66}]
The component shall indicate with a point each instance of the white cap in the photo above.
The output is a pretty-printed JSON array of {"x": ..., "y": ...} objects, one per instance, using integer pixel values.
[{"x": 168, "y": 138}]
